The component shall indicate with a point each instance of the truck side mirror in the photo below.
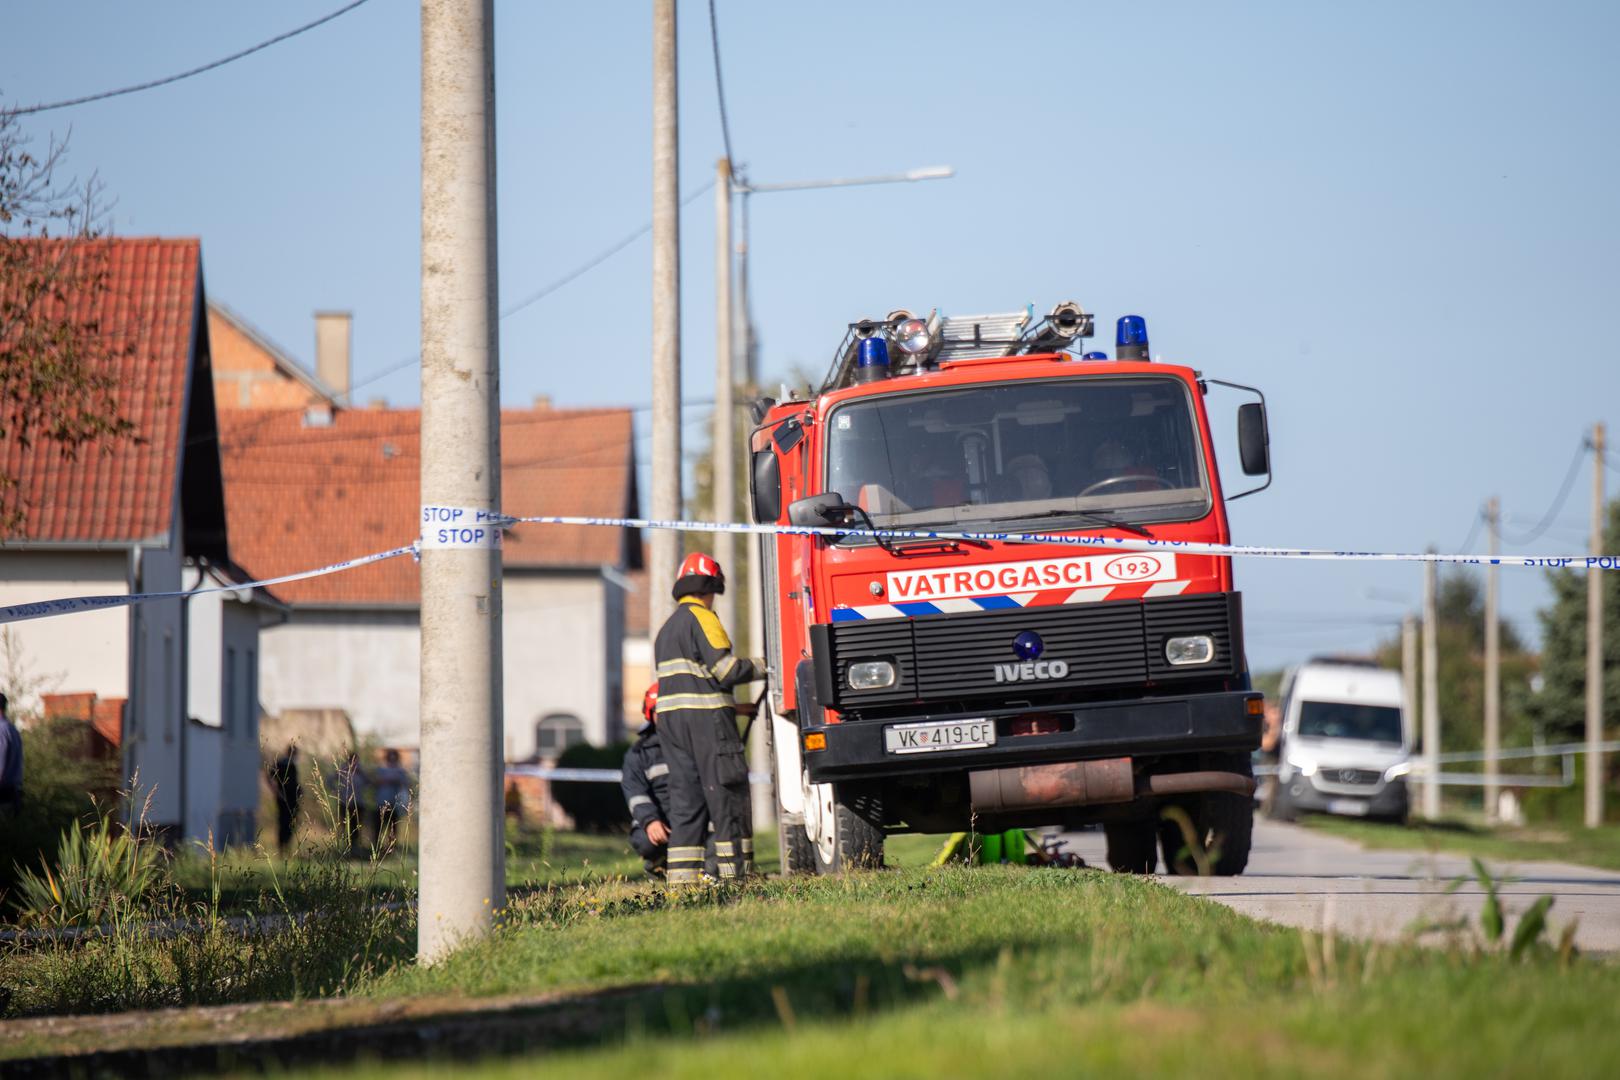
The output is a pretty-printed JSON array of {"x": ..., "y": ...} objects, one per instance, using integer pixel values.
[
  {"x": 828, "y": 508},
  {"x": 1254, "y": 440},
  {"x": 767, "y": 478}
]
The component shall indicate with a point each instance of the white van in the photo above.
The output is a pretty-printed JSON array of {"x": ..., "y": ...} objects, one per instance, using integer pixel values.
[{"x": 1346, "y": 742}]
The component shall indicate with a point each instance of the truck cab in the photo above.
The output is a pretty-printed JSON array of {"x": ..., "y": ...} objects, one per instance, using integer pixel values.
[{"x": 1008, "y": 632}]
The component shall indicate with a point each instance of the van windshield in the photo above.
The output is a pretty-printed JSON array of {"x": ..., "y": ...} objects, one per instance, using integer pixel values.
[
  {"x": 1342, "y": 720},
  {"x": 1128, "y": 447}
]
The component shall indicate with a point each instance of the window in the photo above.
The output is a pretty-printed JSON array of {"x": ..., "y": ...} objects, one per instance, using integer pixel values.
[
  {"x": 1343, "y": 720},
  {"x": 250, "y": 697},
  {"x": 556, "y": 733},
  {"x": 228, "y": 696}
]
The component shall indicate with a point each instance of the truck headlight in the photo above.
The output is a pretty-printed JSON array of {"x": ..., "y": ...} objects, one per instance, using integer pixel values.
[
  {"x": 1182, "y": 651},
  {"x": 870, "y": 675}
]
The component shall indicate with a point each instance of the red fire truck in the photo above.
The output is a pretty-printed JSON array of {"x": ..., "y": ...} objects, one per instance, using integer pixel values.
[{"x": 939, "y": 685}]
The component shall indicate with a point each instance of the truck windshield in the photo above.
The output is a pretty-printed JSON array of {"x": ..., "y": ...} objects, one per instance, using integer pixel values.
[
  {"x": 1127, "y": 447},
  {"x": 1343, "y": 720}
]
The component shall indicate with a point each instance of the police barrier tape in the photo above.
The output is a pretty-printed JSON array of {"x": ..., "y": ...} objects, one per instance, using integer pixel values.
[
  {"x": 41, "y": 609},
  {"x": 67, "y": 606}
]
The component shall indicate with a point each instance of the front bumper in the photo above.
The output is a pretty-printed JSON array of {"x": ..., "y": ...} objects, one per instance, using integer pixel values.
[
  {"x": 1143, "y": 728},
  {"x": 1388, "y": 800}
]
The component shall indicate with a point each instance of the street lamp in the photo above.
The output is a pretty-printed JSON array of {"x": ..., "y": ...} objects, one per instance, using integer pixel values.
[{"x": 724, "y": 459}]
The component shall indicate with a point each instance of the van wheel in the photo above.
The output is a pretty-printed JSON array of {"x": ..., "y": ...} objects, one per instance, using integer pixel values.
[
  {"x": 844, "y": 825},
  {"x": 1132, "y": 847}
]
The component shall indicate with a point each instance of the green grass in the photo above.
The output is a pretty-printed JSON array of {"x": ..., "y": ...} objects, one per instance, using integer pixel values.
[
  {"x": 936, "y": 972},
  {"x": 1590, "y": 847}
]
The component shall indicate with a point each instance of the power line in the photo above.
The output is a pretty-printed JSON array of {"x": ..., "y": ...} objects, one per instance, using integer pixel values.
[
  {"x": 345, "y": 9},
  {"x": 594, "y": 261},
  {"x": 1473, "y": 533},
  {"x": 719, "y": 83},
  {"x": 1551, "y": 515}
]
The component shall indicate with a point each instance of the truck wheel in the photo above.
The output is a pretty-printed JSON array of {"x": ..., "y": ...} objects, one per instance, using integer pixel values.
[
  {"x": 1223, "y": 827},
  {"x": 844, "y": 824},
  {"x": 1132, "y": 847}
]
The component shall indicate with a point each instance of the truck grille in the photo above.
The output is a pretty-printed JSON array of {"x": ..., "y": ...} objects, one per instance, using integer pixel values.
[{"x": 954, "y": 656}]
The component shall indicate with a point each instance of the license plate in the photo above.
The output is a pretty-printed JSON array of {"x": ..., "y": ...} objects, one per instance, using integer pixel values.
[
  {"x": 1352, "y": 807},
  {"x": 940, "y": 735}
]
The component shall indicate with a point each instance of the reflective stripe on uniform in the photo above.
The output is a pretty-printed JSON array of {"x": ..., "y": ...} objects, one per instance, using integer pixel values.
[
  {"x": 683, "y": 875},
  {"x": 639, "y": 800},
  {"x": 683, "y": 667},
  {"x": 685, "y": 854},
  {"x": 727, "y": 869},
  {"x": 747, "y": 843},
  {"x": 660, "y": 769},
  {"x": 723, "y": 668},
  {"x": 676, "y": 702},
  {"x": 724, "y": 849}
]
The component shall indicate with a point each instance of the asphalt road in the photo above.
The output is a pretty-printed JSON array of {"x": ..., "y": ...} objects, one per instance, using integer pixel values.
[{"x": 1301, "y": 877}]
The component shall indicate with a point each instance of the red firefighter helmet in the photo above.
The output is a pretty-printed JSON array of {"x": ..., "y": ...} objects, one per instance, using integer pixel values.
[
  {"x": 649, "y": 703},
  {"x": 699, "y": 573}
]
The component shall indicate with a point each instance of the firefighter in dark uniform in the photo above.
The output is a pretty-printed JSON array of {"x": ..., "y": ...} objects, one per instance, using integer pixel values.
[
  {"x": 645, "y": 781},
  {"x": 697, "y": 722}
]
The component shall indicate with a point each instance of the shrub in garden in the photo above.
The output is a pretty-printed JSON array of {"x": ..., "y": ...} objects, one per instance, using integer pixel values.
[{"x": 595, "y": 807}]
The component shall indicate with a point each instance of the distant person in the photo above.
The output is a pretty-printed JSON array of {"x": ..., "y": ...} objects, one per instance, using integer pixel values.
[
  {"x": 1030, "y": 479},
  {"x": 392, "y": 786},
  {"x": 351, "y": 779},
  {"x": 645, "y": 782},
  {"x": 11, "y": 763},
  {"x": 284, "y": 785}
]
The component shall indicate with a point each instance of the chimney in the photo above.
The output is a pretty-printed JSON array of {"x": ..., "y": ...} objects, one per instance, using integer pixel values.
[
  {"x": 542, "y": 402},
  {"x": 333, "y": 332}
]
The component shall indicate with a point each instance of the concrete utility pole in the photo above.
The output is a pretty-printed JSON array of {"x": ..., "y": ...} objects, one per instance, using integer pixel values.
[
  {"x": 666, "y": 319},
  {"x": 1594, "y": 646},
  {"x": 1493, "y": 662},
  {"x": 1409, "y": 672},
  {"x": 1431, "y": 695},
  {"x": 463, "y": 850},
  {"x": 722, "y": 458}
]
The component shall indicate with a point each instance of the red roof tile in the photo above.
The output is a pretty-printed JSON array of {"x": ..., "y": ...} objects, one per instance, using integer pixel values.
[
  {"x": 125, "y": 490},
  {"x": 299, "y": 497}
]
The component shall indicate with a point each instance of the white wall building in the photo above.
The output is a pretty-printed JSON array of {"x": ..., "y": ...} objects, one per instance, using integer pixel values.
[
  {"x": 124, "y": 518},
  {"x": 312, "y": 485}
]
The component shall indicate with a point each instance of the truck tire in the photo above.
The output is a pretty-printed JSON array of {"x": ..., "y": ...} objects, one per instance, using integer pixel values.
[
  {"x": 1223, "y": 827},
  {"x": 1132, "y": 847},
  {"x": 844, "y": 826}
]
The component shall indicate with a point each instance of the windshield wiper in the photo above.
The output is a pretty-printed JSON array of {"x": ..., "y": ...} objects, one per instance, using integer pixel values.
[{"x": 1092, "y": 515}]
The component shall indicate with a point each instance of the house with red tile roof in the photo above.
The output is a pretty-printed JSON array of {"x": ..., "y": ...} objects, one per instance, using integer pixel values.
[
  {"x": 310, "y": 486},
  {"x": 136, "y": 515}
]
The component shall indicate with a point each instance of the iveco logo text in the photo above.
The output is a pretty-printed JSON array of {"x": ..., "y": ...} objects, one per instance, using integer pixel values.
[{"x": 1032, "y": 669}]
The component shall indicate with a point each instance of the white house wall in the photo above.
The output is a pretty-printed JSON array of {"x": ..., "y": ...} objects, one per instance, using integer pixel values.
[
  {"x": 83, "y": 653},
  {"x": 222, "y": 745},
  {"x": 362, "y": 661},
  {"x": 561, "y": 655}
]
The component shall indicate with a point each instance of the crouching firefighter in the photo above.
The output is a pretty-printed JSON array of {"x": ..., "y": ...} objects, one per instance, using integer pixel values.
[
  {"x": 697, "y": 723},
  {"x": 646, "y": 791}
]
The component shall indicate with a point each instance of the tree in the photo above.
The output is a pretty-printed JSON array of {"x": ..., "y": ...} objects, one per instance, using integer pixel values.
[
  {"x": 1561, "y": 705},
  {"x": 1460, "y": 637},
  {"x": 58, "y": 381}
]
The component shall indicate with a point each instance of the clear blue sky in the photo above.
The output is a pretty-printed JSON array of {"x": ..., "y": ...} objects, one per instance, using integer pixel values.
[{"x": 1397, "y": 219}]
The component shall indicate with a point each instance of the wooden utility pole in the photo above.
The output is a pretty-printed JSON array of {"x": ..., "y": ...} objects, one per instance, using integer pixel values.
[
  {"x": 462, "y": 837},
  {"x": 1493, "y": 662},
  {"x": 1431, "y": 694},
  {"x": 665, "y": 544},
  {"x": 1594, "y": 645}
]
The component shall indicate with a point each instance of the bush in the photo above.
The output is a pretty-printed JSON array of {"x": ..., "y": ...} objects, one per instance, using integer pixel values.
[
  {"x": 101, "y": 871},
  {"x": 58, "y": 782},
  {"x": 594, "y": 806}
]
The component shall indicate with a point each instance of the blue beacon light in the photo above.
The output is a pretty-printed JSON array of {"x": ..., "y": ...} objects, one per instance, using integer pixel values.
[
  {"x": 1131, "y": 338},
  {"x": 872, "y": 362},
  {"x": 1094, "y": 356}
]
